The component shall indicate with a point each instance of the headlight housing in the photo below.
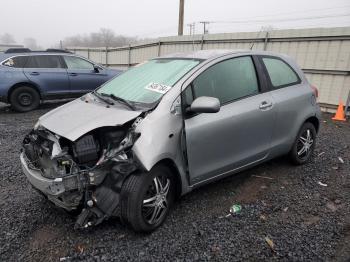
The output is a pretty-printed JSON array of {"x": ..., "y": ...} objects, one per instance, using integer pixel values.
[{"x": 36, "y": 126}]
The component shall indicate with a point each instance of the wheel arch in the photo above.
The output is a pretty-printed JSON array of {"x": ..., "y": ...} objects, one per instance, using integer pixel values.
[
  {"x": 314, "y": 121},
  {"x": 172, "y": 166},
  {"x": 12, "y": 88}
]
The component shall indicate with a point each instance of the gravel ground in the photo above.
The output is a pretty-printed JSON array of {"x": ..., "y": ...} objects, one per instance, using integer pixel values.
[{"x": 304, "y": 220}]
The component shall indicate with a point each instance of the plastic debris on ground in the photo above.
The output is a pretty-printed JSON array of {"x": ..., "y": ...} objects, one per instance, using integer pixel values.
[
  {"x": 322, "y": 184},
  {"x": 270, "y": 243},
  {"x": 266, "y": 177},
  {"x": 263, "y": 217},
  {"x": 235, "y": 209}
]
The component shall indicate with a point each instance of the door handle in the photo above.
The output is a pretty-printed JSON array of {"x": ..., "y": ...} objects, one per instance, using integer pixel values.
[
  {"x": 34, "y": 73},
  {"x": 265, "y": 105},
  {"x": 73, "y": 74}
]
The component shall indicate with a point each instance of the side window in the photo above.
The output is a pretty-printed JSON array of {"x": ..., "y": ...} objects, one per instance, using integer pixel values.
[
  {"x": 77, "y": 63},
  {"x": 281, "y": 74},
  {"x": 44, "y": 61},
  {"x": 187, "y": 96},
  {"x": 17, "y": 62},
  {"x": 228, "y": 80}
]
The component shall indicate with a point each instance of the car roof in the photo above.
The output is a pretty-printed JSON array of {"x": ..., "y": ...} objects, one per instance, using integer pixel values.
[
  {"x": 215, "y": 53},
  {"x": 4, "y": 56},
  {"x": 36, "y": 53}
]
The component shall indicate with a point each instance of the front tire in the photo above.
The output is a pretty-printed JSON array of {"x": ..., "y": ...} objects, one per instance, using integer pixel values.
[
  {"x": 146, "y": 198},
  {"x": 304, "y": 144},
  {"x": 24, "y": 99}
]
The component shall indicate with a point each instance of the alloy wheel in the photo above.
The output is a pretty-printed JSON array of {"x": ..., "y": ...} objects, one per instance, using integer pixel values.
[
  {"x": 305, "y": 143},
  {"x": 155, "y": 202}
]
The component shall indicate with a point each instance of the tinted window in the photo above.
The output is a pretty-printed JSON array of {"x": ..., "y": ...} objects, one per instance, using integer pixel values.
[
  {"x": 229, "y": 80},
  {"x": 281, "y": 74},
  {"x": 187, "y": 96},
  {"x": 17, "y": 62},
  {"x": 77, "y": 63},
  {"x": 44, "y": 61}
]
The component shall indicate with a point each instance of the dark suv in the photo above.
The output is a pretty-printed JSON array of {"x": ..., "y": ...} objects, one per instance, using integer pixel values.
[{"x": 27, "y": 77}]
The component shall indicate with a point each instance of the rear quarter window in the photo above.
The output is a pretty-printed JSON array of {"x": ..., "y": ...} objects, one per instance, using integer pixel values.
[
  {"x": 16, "y": 62},
  {"x": 280, "y": 73}
]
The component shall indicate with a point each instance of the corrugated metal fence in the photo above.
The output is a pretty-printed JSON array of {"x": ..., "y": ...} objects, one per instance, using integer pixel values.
[{"x": 323, "y": 53}]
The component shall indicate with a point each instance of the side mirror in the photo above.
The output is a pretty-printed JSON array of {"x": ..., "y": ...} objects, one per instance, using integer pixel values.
[
  {"x": 205, "y": 104},
  {"x": 96, "y": 69}
]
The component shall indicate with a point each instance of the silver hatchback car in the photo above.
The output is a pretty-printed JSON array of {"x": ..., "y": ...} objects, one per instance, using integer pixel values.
[{"x": 167, "y": 126}]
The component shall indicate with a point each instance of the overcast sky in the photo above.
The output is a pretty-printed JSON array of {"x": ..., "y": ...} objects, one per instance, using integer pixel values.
[{"x": 48, "y": 21}]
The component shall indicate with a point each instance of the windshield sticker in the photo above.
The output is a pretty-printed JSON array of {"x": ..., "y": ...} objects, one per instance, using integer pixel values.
[{"x": 159, "y": 88}]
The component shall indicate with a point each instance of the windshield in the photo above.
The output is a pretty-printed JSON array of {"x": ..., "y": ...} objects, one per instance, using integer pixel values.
[{"x": 148, "y": 82}]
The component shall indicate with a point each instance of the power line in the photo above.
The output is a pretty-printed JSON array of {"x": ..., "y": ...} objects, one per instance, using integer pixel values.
[
  {"x": 279, "y": 20},
  {"x": 298, "y": 12}
]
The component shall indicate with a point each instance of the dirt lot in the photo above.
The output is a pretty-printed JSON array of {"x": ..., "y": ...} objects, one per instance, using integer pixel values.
[{"x": 303, "y": 219}]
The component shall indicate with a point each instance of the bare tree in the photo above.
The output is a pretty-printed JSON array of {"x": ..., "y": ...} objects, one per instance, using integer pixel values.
[
  {"x": 107, "y": 36},
  {"x": 7, "y": 39},
  {"x": 30, "y": 43},
  {"x": 104, "y": 38},
  {"x": 95, "y": 39}
]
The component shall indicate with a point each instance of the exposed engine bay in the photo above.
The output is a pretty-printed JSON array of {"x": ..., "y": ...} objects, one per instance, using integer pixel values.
[{"x": 86, "y": 174}]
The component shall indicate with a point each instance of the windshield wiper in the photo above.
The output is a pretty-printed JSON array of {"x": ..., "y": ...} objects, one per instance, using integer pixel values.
[
  {"x": 102, "y": 98},
  {"x": 119, "y": 99}
]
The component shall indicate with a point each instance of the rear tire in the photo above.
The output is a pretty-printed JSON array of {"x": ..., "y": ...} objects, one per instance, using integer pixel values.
[
  {"x": 304, "y": 144},
  {"x": 24, "y": 99},
  {"x": 146, "y": 199}
]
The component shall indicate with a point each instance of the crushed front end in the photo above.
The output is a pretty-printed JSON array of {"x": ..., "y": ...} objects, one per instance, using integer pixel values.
[{"x": 86, "y": 174}]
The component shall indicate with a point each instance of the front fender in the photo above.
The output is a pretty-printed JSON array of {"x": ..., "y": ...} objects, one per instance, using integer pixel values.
[{"x": 160, "y": 139}]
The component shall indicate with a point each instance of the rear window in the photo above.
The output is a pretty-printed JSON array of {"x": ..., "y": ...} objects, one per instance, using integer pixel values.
[
  {"x": 281, "y": 74},
  {"x": 44, "y": 61},
  {"x": 16, "y": 62}
]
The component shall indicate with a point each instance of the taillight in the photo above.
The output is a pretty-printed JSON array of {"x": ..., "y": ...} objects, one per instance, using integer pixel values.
[{"x": 314, "y": 88}]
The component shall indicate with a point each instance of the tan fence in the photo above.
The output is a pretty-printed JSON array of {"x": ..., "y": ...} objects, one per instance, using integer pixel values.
[{"x": 323, "y": 53}]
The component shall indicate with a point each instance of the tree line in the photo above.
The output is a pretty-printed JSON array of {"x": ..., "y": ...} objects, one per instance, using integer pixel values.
[{"x": 103, "y": 38}]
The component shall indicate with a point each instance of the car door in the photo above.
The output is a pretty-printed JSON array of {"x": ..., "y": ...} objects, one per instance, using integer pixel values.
[
  {"x": 82, "y": 75},
  {"x": 48, "y": 73},
  {"x": 240, "y": 133},
  {"x": 291, "y": 96}
]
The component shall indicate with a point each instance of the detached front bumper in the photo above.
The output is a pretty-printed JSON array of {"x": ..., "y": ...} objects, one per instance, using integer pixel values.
[{"x": 54, "y": 189}]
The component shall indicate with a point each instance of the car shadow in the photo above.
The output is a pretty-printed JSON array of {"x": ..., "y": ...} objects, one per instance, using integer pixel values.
[{"x": 46, "y": 105}]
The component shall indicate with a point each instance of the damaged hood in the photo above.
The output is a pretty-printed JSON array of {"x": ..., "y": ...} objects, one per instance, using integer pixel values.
[{"x": 76, "y": 118}]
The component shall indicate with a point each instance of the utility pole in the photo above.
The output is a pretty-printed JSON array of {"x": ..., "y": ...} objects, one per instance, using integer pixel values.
[
  {"x": 181, "y": 17},
  {"x": 205, "y": 31},
  {"x": 192, "y": 27}
]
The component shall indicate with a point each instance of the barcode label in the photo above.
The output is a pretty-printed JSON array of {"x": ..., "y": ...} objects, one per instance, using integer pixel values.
[{"x": 158, "y": 88}]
